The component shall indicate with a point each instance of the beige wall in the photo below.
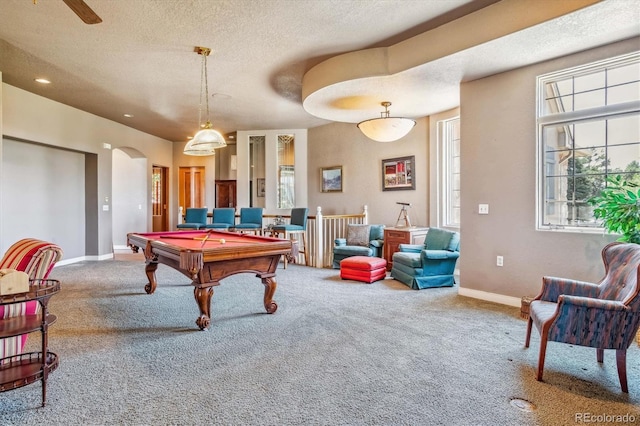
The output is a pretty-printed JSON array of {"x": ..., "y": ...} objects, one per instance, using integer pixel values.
[
  {"x": 498, "y": 164},
  {"x": 498, "y": 168},
  {"x": 32, "y": 118},
  {"x": 342, "y": 144}
]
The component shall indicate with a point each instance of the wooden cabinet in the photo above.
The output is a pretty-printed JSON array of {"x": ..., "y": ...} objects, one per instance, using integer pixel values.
[
  {"x": 393, "y": 237},
  {"x": 26, "y": 368}
]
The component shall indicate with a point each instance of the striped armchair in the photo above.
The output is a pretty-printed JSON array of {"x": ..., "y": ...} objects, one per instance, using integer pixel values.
[
  {"x": 605, "y": 315},
  {"x": 36, "y": 258}
]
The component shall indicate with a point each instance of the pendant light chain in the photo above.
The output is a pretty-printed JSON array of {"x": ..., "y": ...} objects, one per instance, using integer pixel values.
[{"x": 206, "y": 84}]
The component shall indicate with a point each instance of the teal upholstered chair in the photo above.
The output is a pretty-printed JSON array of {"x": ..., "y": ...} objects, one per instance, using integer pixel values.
[
  {"x": 297, "y": 225},
  {"x": 222, "y": 218},
  {"x": 250, "y": 220},
  {"x": 362, "y": 240},
  {"x": 194, "y": 218},
  {"x": 431, "y": 264},
  {"x": 603, "y": 315}
]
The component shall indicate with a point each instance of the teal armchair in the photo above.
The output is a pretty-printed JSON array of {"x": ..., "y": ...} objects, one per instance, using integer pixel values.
[
  {"x": 362, "y": 240},
  {"x": 427, "y": 265}
]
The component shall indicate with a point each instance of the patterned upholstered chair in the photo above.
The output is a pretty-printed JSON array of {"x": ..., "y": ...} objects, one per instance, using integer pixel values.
[
  {"x": 194, "y": 218},
  {"x": 362, "y": 240},
  {"x": 36, "y": 258},
  {"x": 222, "y": 218},
  {"x": 427, "y": 265},
  {"x": 605, "y": 315}
]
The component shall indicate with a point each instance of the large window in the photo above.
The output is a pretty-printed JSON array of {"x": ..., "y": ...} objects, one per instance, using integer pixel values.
[
  {"x": 588, "y": 129},
  {"x": 449, "y": 134}
]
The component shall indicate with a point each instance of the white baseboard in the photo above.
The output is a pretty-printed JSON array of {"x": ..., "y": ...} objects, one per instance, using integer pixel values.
[
  {"x": 490, "y": 297},
  {"x": 63, "y": 262}
]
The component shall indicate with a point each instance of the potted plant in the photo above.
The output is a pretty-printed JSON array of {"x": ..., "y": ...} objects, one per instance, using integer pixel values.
[{"x": 618, "y": 205}]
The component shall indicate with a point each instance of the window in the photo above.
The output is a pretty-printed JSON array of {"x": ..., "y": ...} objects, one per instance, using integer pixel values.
[
  {"x": 286, "y": 181},
  {"x": 449, "y": 133},
  {"x": 588, "y": 129}
]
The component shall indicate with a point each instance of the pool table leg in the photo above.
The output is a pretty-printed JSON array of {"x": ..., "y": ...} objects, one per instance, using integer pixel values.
[
  {"x": 150, "y": 270},
  {"x": 203, "y": 299},
  {"x": 269, "y": 289}
]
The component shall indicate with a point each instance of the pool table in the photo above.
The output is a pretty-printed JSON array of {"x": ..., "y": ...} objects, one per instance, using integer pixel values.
[{"x": 207, "y": 257}]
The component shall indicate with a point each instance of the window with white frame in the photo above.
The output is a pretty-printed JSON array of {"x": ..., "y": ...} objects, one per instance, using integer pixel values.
[
  {"x": 588, "y": 121},
  {"x": 449, "y": 134}
]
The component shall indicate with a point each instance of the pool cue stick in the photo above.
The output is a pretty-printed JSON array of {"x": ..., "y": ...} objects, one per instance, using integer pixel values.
[
  {"x": 175, "y": 237},
  {"x": 206, "y": 237}
]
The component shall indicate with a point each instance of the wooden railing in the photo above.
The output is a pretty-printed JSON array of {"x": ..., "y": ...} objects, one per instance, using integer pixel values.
[{"x": 321, "y": 232}]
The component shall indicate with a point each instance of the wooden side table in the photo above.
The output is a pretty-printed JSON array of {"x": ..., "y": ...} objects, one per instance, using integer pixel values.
[
  {"x": 393, "y": 237},
  {"x": 26, "y": 368}
]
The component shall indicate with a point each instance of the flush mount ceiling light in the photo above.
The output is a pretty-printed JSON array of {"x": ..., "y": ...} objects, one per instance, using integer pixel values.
[
  {"x": 385, "y": 128},
  {"x": 207, "y": 139}
]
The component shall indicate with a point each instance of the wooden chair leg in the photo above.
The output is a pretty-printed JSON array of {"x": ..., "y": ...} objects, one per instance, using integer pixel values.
[
  {"x": 621, "y": 361},
  {"x": 529, "y": 324},
  {"x": 543, "y": 350},
  {"x": 285, "y": 258},
  {"x": 600, "y": 355},
  {"x": 304, "y": 247}
]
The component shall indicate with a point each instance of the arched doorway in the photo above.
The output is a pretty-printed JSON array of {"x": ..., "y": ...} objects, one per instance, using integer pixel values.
[{"x": 130, "y": 194}]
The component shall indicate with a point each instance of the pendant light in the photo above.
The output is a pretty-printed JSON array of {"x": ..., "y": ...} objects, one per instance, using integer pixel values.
[
  {"x": 385, "y": 128},
  {"x": 206, "y": 140}
]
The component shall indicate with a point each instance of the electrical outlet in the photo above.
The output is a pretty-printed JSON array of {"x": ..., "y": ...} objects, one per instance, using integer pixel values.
[
  {"x": 500, "y": 261},
  {"x": 483, "y": 208}
]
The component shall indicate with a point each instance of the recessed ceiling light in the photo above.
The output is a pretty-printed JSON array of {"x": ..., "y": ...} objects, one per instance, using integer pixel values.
[
  {"x": 42, "y": 80},
  {"x": 128, "y": 115}
]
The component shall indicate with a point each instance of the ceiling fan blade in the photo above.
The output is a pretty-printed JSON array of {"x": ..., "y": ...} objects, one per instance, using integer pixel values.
[{"x": 85, "y": 13}]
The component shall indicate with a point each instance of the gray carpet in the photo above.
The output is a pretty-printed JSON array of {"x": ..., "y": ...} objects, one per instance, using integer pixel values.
[{"x": 335, "y": 353}]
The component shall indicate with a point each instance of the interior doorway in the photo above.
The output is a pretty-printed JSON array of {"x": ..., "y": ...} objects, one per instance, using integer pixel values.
[
  {"x": 159, "y": 199},
  {"x": 226, "y": 193},
  {"x": 191, "y": 187}
]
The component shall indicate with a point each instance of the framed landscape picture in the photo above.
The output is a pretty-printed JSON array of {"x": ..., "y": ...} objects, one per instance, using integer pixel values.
[
  {"x": 397, "y": 173},
  {"x": 331, "y": 179},
  {"x": 261, "y": 188}
]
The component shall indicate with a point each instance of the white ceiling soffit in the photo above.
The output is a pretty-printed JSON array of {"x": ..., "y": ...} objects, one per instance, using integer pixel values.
[
  {"x": 140, "y": 59},
  {"x": 421, "y": 75}
]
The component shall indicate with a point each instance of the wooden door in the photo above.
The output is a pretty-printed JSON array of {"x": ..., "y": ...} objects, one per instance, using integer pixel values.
[
  {"x": 192, "y": 187},
  {"x": 226, "y": 193},
  {"x": 159, "y": 199}
]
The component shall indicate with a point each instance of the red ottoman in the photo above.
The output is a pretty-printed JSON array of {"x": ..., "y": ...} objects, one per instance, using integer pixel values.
[{"x": 363, "y": 268}]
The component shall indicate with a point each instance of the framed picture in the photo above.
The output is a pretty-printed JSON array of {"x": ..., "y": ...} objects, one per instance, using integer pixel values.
[
  {"x": 260, "y": 190},
  {"x": 331, "y": 178},
  {"x": 397, "y": 173}
]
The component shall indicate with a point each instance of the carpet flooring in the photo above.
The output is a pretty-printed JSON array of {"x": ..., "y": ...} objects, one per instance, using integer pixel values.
[{"x": 336, "y": 352}]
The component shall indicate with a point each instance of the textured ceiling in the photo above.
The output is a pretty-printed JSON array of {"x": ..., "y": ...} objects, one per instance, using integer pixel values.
[{"x": 140, "y": 59}]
